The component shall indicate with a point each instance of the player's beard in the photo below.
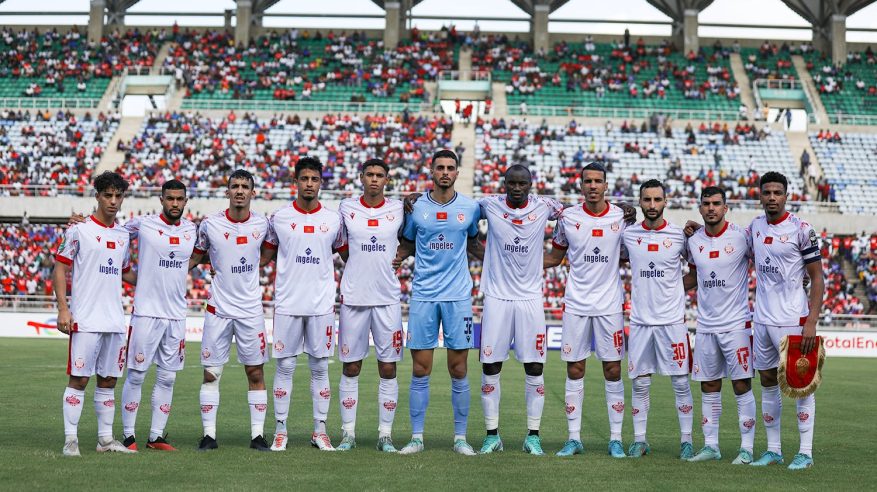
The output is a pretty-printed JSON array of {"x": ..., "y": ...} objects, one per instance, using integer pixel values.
[{"x": 173, "y": 217}]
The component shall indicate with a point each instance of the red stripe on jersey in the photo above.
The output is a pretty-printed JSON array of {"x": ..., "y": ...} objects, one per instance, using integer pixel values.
[
  {"x": 768, "y": 240},
  {"x": 309, "y": 229},
  {"x": 372, "y": 222},
  {"x": 75, "y": 327},
  {"x": 597, "y": 232},
  {"x": 517, "y": 221},
  {"x": 111, "y": 245},
  {"x": 128, "y": 341},
  {"x": 242, "y": 240},
  {"x": 803, "y": 319},
  {"x": 69, "y": 351},
  {"x": 198, "y": 251},
  {"x": 653, "y": 247},
  {"x": 211, "y": 309},
  {"x": 269, "y": 245},
  {"x": 714, "y": 254},
  {"x": 64, "y": 260},
  {"x": 174, "y": 240},
  {"x": 441, "y": 216}
]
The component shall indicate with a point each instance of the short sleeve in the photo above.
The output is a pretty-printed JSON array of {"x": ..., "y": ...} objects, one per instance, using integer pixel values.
[
  {"x": 271, "y": 235},
  {"x": 126, "y": 261},
  {"x": 133, "y": 227},
  {"x": 555, "y": 208},
  {"x": 202, "y": 245},
  {"x": 409, "y": 230},
  {"x": 808, "y": 243},
  {"x": 558, "y": 238},
  {"x": 340, "y": 243},
  {"x": 473, "y": 226},
  {"x": 69, "y": 247}
]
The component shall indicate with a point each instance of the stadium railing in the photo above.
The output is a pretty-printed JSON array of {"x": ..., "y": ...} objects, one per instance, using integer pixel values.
[
  {"x": 12, "y": 303},
  {"x": 47, "y": 103},
  {"x": 313, "y": 106},
  {"x": 852, "y": 119},
  {"x": 627, "y": 113},
  {"x": 781, "y": 84}
]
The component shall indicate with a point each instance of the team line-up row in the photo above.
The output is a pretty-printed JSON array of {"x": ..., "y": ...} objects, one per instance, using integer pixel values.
[{"x": 373, "y": 234}]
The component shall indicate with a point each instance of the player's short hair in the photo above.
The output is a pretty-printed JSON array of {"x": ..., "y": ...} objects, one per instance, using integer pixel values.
[
  {"x": 375, "y": 162},
  {"x": 595, "y": 166},
  {"x": 713, "y": 191},
  {"x": 445, "y": 153},
  {"x": 773, "y": 177},
  {"x": 110, "y": 180},
  {"x": 173, "y": 184},
  {"x": 242, "y": 174},
  {"x": 308, "y": 162},
  {"x": 652, "y": 183},
  {"x": 518, "y": 168}
]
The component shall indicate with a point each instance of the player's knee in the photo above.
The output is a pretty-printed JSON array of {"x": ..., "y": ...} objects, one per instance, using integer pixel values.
[
  {"x": 352, "y": 369},
  {"x": 575, "y": 370},
  {"x": 387, "y": 370},
  {"x": 768, "y": 378},
  {"x": 255, "y": 375},
  {"x": 212, "y": 375},
  {"x": 641, "y": 384},
  {"x": 491, "y": 369},
  {"x": 742, "y": 386},
  {"x": 318, "y": 365},
  {"x": 612, "y": 371},
  {"x": 285, "y": 366},
  {"x": 533, "y": 368},
  {"x": 681, "y": 384},
  {"x": 165, "y": 378},
  {"x": 78, "y": 382},
  {"x": 106, "y": 382},
  {"x": 711, "y": 386},
  {"x": 135, "y": 377}
]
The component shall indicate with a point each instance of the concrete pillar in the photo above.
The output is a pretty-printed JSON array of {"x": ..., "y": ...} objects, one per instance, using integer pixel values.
[
  {"x": 96, "y": 20},
  {"x": 393, "y": 24},
  {"x": 244, "y": 21},
  {"x": 539, "y": 27},
  {"x": 838, "y": 39},
  {"x": 228, "y": 16},
  {"x": 690, "y": 39}
]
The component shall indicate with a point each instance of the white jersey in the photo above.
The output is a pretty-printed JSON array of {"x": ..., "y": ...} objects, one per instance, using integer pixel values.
[
  {"x": 722, "y": 265},
  {"x": 781, "y": 250},
  {"x": 372, "y": 235},
  {"x": 98, "y": 254},
  {"x": 593, "y": 244},
  {"x": 656, "y": 256},
  {"x": 305, "y": 242},
  {"x": 163, "y": 252},
  {"x": 514, "y": 251},
  {"x": 234, "y": 249}
]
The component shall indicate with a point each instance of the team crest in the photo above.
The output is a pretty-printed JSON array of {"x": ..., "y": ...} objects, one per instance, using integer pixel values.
[
  {"x": 391, "y": 217},
  {"x": 80, "y": 363},
  {"x": 461, "y": 218},
  {"x": 567, "y": 349},
  {"x": 532, "y": 217},
  {"x": 696, "y": 369},
  {"x": 615, "y": 227},
  {"x": 256, "y": 234},
  {"x": 188, "y": 237},
  {"x": 686, "y": 409},
  {"x": 729, "y": 249},
  {"x": 488, "y": 351},
  {"x": 324, "y": 228},
  {"x": 278, "y": 346},
  {"x": 540, "y": 390},
  {"x": 205, "y": 354},
  {"x": 121, "y": 243},
  {"x": 667, "y": 243},
  {"x": 784, "y": 238},
  {"x": 345, "y": 349},
  {"x": 139, "y": 358}
]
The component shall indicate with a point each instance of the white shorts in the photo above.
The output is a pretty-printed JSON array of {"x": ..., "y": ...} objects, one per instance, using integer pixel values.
[
  {"x": 723, "y": 355},
  {"x": 604, "y": 333},
  {"x": 766, "y": 344},
  {"x": 520, "y": 322},
  {"x": 383, "y": 322},
  {"x": 658, "y": 349},
  {"x": 96, "y": 353},
  {"x": 314, "y": 335},
  {"x": 158, "y": 340},
  {"x": 249, "y": 336}
]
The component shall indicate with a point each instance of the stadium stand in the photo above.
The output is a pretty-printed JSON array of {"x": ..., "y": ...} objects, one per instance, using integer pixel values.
[
  {"x": 849, "y": 90},
  {"x": 599, "y": 74},
  {"x": 847, "y": 163},
  {"x": 686, "y": 159},
  {"x": 202, "y": 151},
  {"x": 47, "y": 153},
  {"x": 769, "y": 62},
  {"x": 300, "y": 66}
]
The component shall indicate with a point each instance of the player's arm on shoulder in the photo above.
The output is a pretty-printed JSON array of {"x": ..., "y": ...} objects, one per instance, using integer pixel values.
[
  {"x": 691, "y": 227},
  {"x": 409, "y": 201},
  {"x": 689, "y": 281},
  {"x": 475, "y": 246},
  {"x": 267, "y": 253},
  {"x": 76, "y": 218},
  {"x": 553, "y": 257},
  {"x": 629, "y": 212},
  {"x": 130, "y": 276}
]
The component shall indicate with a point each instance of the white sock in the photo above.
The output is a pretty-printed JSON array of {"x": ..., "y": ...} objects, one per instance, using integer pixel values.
[
  {"x": 209, "y": 399},
  {"x": 388, "y": 395},
  {"x": 711, "y": 408},
  {"x": 283, "y": 391},
  {"x": 615, "y": 408},
  {"x": 131, "y": 395},
  {"x": 640, "y": 402},
  {"x": 746, "y": 419},
  {"x": 258, "y": 401},
  {"x": 684, "y": 405},
  {"x": 575, "y": 394},
  {"x": 490, "y": 392},
  {"x": 348, "y": 393},
  {"x": 105, "y": 409},
  {"x": 162, "y": 397},
  {"x": 806, "y": 421},
  {"x": 320, "y": 392},
  {"x": 535, "y": 396},
  {"x": 71, "y": 408},
  {"x": 771, "y": 411}
]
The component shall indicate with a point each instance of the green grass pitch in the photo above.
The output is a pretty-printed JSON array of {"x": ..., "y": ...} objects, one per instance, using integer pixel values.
[{"x": 32, "y": 437}]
